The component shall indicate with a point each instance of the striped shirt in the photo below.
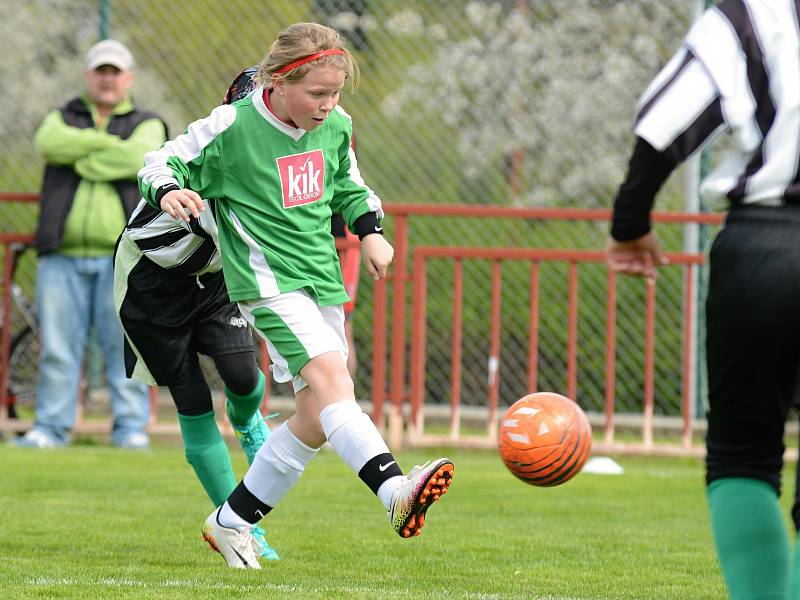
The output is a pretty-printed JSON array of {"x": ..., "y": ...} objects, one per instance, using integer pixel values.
[
  {"x": 184, "y": 248},
  {"x": 738, "y": 71}
]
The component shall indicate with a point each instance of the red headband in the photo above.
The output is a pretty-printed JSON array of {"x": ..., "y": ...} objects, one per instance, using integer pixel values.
[{"x": 309, "y": 58}]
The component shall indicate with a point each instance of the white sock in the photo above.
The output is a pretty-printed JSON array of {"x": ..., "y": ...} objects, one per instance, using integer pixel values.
[
  {"x": 354, "y": 437},
  {"x": 351, "y": 433},
  {"x": 275, "y": 470},
  {"x": 278, "y": 465}
]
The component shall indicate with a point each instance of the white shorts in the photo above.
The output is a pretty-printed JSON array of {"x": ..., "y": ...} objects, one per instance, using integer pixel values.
[{"x": 296, "y": 329}]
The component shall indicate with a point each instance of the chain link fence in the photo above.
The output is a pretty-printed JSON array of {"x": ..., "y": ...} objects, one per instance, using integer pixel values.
[{"x": 514, "y": 102}]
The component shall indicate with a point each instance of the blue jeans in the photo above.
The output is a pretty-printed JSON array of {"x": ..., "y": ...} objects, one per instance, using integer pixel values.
[{"x": 72, "y": 296}]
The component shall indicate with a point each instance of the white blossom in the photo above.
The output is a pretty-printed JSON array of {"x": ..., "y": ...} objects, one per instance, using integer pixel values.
[
  {"x": 558, "y": 80},
  {"x": 344, "y": 21},
  {"x": 408, "y": 23}
]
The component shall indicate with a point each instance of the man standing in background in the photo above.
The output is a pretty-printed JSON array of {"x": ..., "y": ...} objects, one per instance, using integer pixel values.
[{"x": 93, "y": 146}]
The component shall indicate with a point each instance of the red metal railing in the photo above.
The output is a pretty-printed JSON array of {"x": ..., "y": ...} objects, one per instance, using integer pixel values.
[
  {"x": 402, "y": 391},
  {"x": 535, "y": 256},
  {"x": 6, "y": 239},
  {"x": 389, "y": 333}
]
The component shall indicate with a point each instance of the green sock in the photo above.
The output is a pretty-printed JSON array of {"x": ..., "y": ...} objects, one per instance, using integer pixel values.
[
  {"x": 207, "y": 453},
  {"x": 242, "y": 408},
  {"x": 751, "y": 537},
  {"x": 794, "y": 580}
]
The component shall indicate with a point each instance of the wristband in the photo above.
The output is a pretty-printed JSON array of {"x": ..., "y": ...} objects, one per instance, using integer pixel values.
[
  {"x": 366, "y": 224},
  {"x": 164, "y": 190}
]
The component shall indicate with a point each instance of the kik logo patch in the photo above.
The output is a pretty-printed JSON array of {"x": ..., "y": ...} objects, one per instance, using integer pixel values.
[{"x": 302, "y": 178}]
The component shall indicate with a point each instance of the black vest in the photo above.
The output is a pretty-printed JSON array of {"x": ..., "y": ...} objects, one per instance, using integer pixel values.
[{"x": 61, "y": 182}]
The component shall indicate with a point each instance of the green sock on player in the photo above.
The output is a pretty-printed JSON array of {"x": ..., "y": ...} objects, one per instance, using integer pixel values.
[
  {"x": 242, "y": 408},
  {"x": 206, "y": 451},
  {"x": 794, "y": 578},
  {"x": 751, "y": 538}
]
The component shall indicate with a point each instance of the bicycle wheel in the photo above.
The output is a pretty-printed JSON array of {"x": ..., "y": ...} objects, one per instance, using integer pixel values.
[{"x": 23, "y": 369}]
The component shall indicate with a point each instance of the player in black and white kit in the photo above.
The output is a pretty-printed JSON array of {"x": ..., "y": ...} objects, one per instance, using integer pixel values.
[
  {"x": 171, "y": 298},
  {"x": 738, "y": 71}
]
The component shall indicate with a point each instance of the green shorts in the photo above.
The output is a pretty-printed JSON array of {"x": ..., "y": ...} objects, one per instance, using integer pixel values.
[{"x": 296, "y": 329}]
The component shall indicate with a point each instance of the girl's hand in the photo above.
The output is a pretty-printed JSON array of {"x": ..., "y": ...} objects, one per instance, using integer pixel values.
[
  {"x": 173, "y": 204},
  {"x": 378, "y": 254}
]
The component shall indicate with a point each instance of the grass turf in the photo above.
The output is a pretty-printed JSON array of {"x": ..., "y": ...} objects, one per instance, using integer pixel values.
[{"x": 97, "y": 522}]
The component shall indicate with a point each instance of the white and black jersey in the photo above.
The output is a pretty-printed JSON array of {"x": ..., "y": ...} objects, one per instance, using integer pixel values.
[
  {"x": 171, "y": 298},
  {"x": 738, "y": 70},
  {"x": 183, "y": 248}
]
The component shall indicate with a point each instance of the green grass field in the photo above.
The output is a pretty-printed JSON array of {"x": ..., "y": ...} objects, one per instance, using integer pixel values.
[{"x": 96, "y": 522}]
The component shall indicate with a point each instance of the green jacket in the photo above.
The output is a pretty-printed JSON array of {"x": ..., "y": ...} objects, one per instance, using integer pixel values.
[{"x": 88, "y": 221}]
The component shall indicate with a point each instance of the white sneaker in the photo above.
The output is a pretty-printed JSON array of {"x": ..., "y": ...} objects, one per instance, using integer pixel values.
[
  {"x": 238, "y": 548},
  {"x": 423, "y": 486},
  {"x": 37, "y": 439},
  {"x": 134, "y": 441}
]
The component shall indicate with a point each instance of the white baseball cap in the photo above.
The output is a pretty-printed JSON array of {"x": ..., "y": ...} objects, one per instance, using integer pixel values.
[{"x": 109, "y": 52}]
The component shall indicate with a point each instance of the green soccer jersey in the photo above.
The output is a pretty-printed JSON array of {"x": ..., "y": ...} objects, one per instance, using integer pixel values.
[{"x": 277, "y": 187}]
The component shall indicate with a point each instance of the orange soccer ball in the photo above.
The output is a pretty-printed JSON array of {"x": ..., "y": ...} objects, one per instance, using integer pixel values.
[{"x": 545, "y": 439}]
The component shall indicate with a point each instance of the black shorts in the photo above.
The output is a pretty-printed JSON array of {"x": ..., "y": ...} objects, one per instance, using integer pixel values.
[
  {"x": 753, "y": 342},
  {"x": 170, "y": 318}
]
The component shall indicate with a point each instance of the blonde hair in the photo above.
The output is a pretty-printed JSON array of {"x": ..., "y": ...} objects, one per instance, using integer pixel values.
[{"x": 298, "y": 41}]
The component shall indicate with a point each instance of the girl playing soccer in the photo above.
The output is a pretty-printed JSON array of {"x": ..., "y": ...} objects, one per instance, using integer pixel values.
[
  {"x": 280, "y": 162},
  {"x": 349, "y": 257}
]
